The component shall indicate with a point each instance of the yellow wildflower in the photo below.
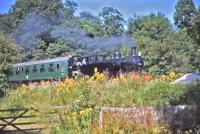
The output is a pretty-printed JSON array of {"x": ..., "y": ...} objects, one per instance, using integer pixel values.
[
  {"x": 99, "y": 77},
  {"x": 24, "y": 88},
  {"x": 86, "y": 111}
]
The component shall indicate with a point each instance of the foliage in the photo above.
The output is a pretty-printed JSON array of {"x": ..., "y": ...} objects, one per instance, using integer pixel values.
[
  {"x": 187, "y": 18},
  {"x": 185, "y": 11},
  {"x": 22, "y": 8},
  {"x": 194, "y": 33},
  {"x": 39, "y": 52},
  {"x": 91, "y": 24},
  {"x": 153, "y": 35},
  {"x": 88, "y": 17},
  {"x": 113, "y": 21},
  {"x": 163, "y": 48},
  {"x": 52, "y": 50},
  {"x": 9, "y": 53},
  {"x": 70, "y": 8},
  {"x": 195, "y": 28},
  {"x": 195, "y": 57},
  {"x": 58, "y": 49},
  {"x": 5, "y": 21},
  {"x": 83, "y": 97},
  {"x": 49, "y": 8},
  {"x": 185, "y": 52},
  {"x": 3, "y": 85},
  {"x": 191, "y": 96}
]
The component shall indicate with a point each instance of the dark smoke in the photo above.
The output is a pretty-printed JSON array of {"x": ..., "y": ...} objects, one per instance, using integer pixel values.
[
  {"x": 78, "y": 36},
  {"x": 35, "y": 26},
  {"x": 58, "y": 27},
  {"x": 115, "y": 41},
  {"x": 72, "y": 34}
]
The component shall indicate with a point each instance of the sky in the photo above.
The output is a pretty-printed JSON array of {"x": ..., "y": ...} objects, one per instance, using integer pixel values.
[{"x": 127, "y": 7}]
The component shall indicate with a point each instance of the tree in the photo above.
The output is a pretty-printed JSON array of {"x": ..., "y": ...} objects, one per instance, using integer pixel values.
[
  {"x": 50, "y": 7},
  {"x": 58, "y": 49},
  {"x": 154, "y": 37},
  {"x": 155, "y": 27},
  {"x": 113, "y": 21},
  {"x": 6, "y": 23},
  {"x": 9, "y": 54},
  {"x": 70, "y": 8},
  {"x": 39, "y": 52},
  {"x": 183, "y": 47},
  {"x": 195, "y": 32},
  {"x": 19, "y": 10},
  {"x": 88, "y": 17},
  {"x": 22, "y": 8},
  {"x": 91, "y": 24},
  {"x": 185, "y": 11}
]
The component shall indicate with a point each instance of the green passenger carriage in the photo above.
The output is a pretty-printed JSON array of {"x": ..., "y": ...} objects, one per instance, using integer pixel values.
[{"x": 51, "y": 69}]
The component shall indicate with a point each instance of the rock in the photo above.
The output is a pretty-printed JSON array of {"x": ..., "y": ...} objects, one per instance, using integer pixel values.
[{"x": 188, "y": 78}]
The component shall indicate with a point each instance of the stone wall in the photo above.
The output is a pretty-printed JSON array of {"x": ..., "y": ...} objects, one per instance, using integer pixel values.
[{"x": 175, "y": 117}]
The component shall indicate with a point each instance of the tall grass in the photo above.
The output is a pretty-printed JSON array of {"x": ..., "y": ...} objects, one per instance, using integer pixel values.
[{"x": 83, "y": 96}]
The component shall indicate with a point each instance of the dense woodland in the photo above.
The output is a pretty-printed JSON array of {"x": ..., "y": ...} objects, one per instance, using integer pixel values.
[{"x": 41, "y": 29}]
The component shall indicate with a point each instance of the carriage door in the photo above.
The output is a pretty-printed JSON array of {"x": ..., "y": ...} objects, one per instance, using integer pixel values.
[
  {"x": 58, "y": 71},
  {"x": 62, "y": 70}
]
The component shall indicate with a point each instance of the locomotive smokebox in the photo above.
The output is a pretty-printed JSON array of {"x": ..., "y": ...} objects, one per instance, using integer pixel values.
[
  {"x": 133, "y": 51},
  {"x": 116, "y": 55}
]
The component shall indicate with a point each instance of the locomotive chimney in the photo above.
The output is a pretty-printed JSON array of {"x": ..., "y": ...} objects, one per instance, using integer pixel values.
[{"x": 133, "y": 51}]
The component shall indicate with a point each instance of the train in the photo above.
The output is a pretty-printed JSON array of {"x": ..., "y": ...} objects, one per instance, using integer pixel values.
[{"x": 71, "y": 66}]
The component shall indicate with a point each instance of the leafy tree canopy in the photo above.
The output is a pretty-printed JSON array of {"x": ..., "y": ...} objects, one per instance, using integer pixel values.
[
  {"x": 88, "y": 17},
  {"x": 9, "y": 54},
  {"x": 196, "y": 28},
  {"x": 113, "y": 21},
  {"x": 156, "y": 40},
  {"x": 185, "y": 11},
  {"x": 22, "y": 8},
  {"x": 70, "y": 7}
]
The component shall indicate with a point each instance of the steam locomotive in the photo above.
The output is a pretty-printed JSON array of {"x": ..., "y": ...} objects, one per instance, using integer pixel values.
[{"x": 69, "y": 67}]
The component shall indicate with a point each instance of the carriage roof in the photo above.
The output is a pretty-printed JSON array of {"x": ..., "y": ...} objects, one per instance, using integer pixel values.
[{"x": 64, "y": 59}]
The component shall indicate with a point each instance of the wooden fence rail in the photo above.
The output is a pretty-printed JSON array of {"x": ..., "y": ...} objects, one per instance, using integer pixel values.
[{"x": 9, "y": 119}]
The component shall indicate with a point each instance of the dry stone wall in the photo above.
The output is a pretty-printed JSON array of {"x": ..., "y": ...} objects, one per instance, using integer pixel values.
[{"x": 175, "y": 117}]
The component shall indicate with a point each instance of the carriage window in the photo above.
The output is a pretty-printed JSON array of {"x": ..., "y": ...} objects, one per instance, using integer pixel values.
[
  {"x": 63, "y": 68},
  {"x": 51, "y": 68},
  {"x": 11, "y": 73},
  {"x": 58, "y": 67},
  {"x": 22, "y": 70},
  {"x": 17, "y": 71},
  {"x": 42, "y": 69},
  {"x": 26, "y": 70},
  {"x": 34, "y": 69}
]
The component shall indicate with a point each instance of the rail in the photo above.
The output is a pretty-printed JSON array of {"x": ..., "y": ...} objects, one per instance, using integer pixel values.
[{"x": 12, "y": 120}]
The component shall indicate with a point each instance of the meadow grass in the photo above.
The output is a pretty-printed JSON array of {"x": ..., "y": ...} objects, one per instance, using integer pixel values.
[{"x": 84, "y": 96}]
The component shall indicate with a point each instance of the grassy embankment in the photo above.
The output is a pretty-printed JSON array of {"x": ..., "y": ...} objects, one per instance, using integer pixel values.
[{"x": 82, "y": 97}]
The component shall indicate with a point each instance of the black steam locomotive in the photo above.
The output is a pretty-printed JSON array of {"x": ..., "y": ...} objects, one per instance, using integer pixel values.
[{"x": 87, "y": 65}]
